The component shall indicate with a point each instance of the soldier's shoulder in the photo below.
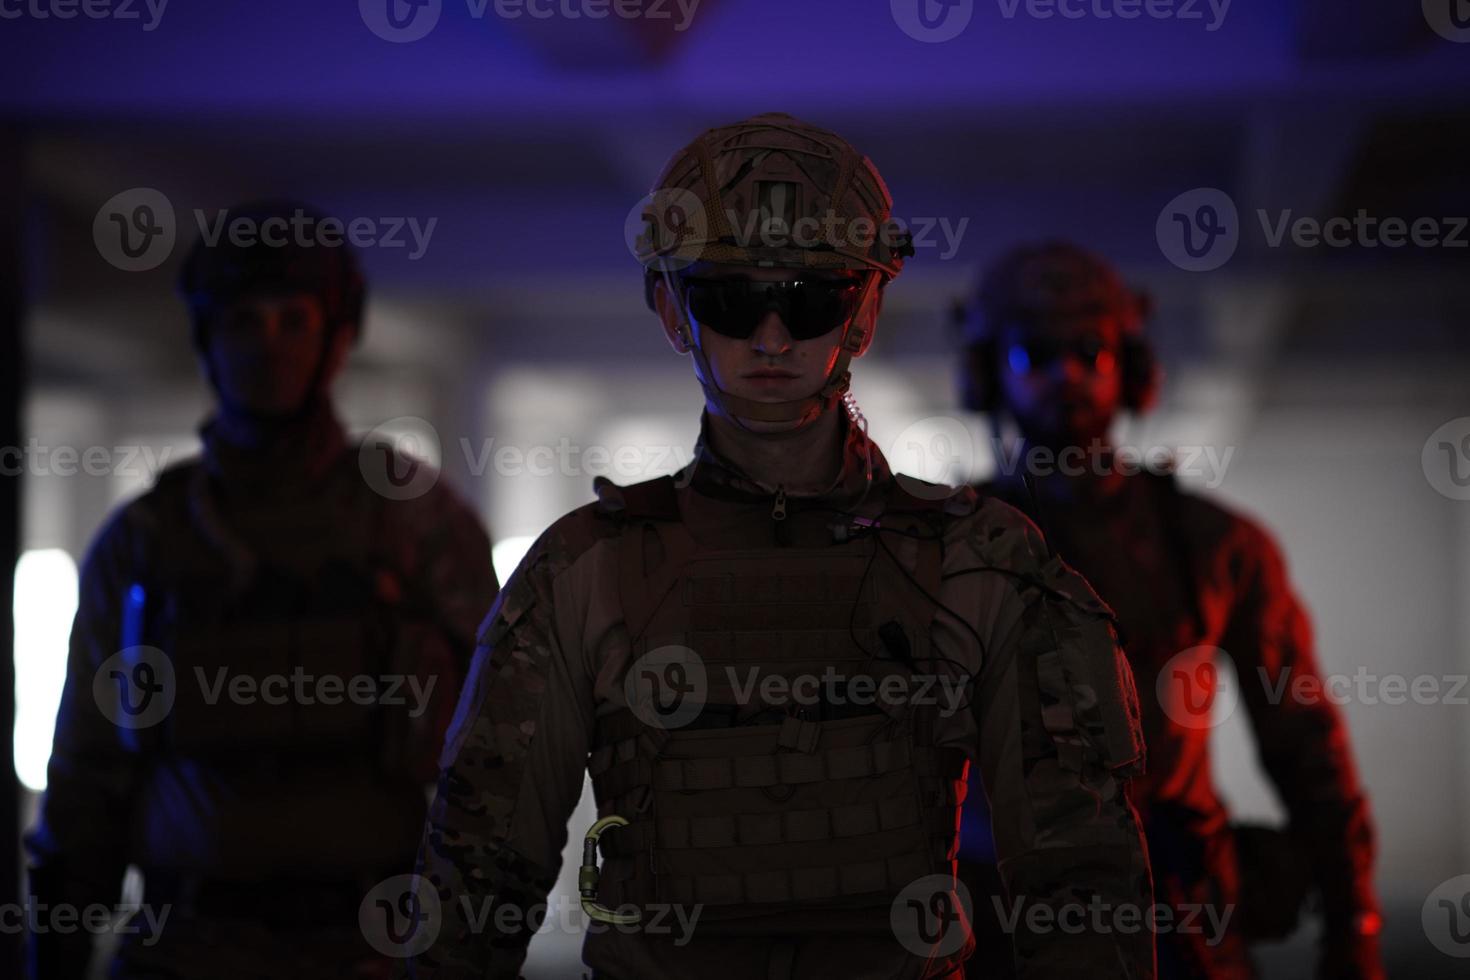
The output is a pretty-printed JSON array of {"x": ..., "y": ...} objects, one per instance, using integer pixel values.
[
  {"x": 560, "y": 546},
  {"x": 125, "y": 536},
  {"x": 1000, "y": 537},
  {"x": 1221, "y": 528}
]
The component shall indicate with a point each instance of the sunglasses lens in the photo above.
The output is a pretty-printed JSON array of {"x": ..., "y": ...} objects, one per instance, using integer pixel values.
[
  {"x": 808, "y": 307},
  {"x": 727, "y": 307},
  {"x": 817, "y": 306}
]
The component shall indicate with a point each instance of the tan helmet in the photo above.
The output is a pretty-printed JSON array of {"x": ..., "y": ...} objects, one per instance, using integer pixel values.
[{"x": 772, "y": 191}]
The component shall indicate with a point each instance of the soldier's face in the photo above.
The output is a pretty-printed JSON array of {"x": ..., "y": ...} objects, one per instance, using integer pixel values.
[
  {"x": 266, "y": 351},
  {"x": 770, "y": 365},
  {"x": 1060, "y": 377}
]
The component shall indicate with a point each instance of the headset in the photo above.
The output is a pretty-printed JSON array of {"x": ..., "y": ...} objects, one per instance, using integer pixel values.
[{"x": 980, "y": 382}]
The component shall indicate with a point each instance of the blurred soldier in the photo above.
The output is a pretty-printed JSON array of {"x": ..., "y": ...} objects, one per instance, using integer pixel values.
[
  {"x": 660, "y": 638},
  {"x": 1055, "y": 341},
  {"x": 308, "y": 631}
]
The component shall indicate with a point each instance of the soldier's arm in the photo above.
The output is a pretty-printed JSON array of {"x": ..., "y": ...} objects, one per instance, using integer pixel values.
[
  {"x": 79, "y": 848},
  {"x": 455, "y": 580},
  {"x": 510, "y": 776},
  {"x": 1059, "y": 737},
  {"x": 1303, "y": 746}
]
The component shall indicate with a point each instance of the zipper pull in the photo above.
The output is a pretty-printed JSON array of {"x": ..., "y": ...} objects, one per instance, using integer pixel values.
[{"x": 778, "y": 510}]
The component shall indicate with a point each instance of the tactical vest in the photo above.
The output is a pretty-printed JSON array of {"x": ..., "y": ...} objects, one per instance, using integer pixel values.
[
  {"x": 787, "y": 816},
  {"x": 325, "y": 601}
]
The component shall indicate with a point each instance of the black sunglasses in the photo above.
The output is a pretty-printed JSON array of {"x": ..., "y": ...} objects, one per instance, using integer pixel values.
[{"x": 808, "y": 307}]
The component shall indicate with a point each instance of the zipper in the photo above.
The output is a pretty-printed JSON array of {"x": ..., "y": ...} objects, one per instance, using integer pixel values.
[{"x": 778, "y": 509}]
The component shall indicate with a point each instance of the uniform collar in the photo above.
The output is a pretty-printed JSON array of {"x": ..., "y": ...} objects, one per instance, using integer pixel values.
[
  {"x": 714, "y": 475},
  {"x": 270, "y": 461}
]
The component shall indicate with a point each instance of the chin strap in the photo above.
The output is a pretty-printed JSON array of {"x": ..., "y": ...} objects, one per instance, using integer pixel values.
[{"x": 804, "y": 410}]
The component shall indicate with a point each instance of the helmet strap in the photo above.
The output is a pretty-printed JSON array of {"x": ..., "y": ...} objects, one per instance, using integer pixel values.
[{"x": 803, "y": 410}]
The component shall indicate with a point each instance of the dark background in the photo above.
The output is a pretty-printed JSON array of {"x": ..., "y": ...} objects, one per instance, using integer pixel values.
[{"x": 528, "y": 141}]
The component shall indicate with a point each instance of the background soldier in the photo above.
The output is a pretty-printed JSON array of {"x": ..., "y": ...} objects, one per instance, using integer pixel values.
[
  {"x": 795, "y": 838},
  {"x": 261, "y": 820},
  {"x": 1055, "y": 341}
]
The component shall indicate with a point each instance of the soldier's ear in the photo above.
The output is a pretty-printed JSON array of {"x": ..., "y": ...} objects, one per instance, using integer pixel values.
[
  {"x": 670, "y": 316},
  {"x": 867, "y": 317}
]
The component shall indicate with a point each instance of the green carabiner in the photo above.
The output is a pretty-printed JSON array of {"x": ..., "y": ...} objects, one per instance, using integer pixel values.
[{"x": 587, "y": 877}]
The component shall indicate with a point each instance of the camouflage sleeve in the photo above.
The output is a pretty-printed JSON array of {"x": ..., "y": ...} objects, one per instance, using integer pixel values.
[
  {"x": 510, "y": 776},
  {"x": 1059, "y": 737},
  {"x": 79, "y": 848},
  {"x": 452, "y": 581},
  {"x": 1300, "y": 735}
]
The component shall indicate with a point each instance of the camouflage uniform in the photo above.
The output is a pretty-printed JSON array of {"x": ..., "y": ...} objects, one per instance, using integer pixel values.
[
  {"x": 262, "y": 826},
  {"x": 1051, "y": 723}
]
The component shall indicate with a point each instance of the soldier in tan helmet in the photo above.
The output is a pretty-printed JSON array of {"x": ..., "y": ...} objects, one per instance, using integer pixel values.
[{"x": 779, "y": 664}]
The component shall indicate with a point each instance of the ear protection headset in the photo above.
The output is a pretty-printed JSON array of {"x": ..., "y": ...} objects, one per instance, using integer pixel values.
[{"x": 1053, "y": 276}]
